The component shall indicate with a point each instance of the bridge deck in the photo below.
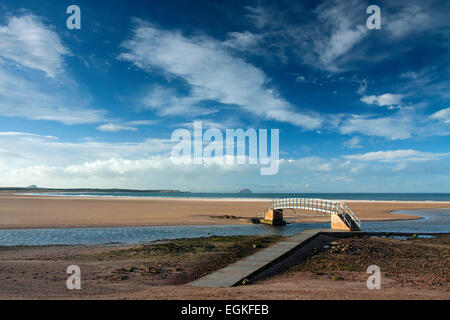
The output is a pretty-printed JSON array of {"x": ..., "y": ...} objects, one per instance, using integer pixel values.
[{"x": 235, "y": 273}]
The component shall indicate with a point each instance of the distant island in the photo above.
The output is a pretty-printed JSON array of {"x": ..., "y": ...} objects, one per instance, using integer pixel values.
[
  {"x": 34, "y": 188},
  {"x": 244, "y": 190}
]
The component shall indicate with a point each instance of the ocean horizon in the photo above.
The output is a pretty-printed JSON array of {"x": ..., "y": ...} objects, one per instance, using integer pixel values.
[{"x": 256, "y": 195}]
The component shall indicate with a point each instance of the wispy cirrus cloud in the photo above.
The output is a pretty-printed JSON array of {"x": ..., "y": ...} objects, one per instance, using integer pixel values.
[
  {"x": 167, "y": 101},
  {"x": 212, "y": 74},
  {"x": 26, "y": 41},
  {"x": 408, "y": 155},
  {"x": 260, "y": 15},
  {"x": 27, "y": 44},
  {"x": 126, "y": 126},
  {"x": 246, "y": 41},
  {"x": 25, "y": 134},
  {"x": 115, "y": 127},
  {"x": 333, "y": 36},
  {"x": 413, "y": 17},
  {"x": 442, "y": 115},
  {"x": 342, "y": 30},
  {"x": 40, "y": 149},
  {"x": 23, "y": 98},
  {"x": 397, "y": 127},
  {"x": 404, "y": 123},
  {"x": 323, "y": 39}
]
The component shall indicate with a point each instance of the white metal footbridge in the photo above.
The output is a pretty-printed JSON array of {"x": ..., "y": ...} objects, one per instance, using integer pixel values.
[{"x": 327, "y": 207}]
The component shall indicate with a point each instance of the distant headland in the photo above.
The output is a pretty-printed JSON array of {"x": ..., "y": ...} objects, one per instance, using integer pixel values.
[{"x": 34, "y": 188}]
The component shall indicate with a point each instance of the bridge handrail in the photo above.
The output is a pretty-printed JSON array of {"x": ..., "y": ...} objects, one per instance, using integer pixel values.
[{"x": 350, "y": 212}]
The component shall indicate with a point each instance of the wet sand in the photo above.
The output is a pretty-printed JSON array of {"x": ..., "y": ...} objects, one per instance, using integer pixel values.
[{"x": 25, "y": 212}]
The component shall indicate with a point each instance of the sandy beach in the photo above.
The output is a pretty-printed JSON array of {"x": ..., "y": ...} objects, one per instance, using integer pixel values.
[
  {"x": 412, "y": 269},
  {"x": 24, "y": 212}
]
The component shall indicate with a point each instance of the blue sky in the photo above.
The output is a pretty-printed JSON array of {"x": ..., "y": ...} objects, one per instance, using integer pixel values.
[{"x": 358, "y": 110}]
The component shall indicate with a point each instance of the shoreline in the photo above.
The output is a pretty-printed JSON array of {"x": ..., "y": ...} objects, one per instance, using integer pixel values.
[
  {"x": 36, "y": 195},
  {"x": 50, "y": 212}
]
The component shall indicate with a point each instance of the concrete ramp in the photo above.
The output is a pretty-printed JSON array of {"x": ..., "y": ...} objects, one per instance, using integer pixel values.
[{"x": 235, "y": 273}]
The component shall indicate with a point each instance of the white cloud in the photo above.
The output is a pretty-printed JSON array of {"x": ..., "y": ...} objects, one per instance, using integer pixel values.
[
  {"x": 157, "y": 171},
  {"x": 167, "y": 102},
  {"x": 30, "y": 158},
  {"x": 115, "y": 127},
  {"x": 409, "y": 75},
  {"x": 142, "y": 122},
  {"x": 399, "y": 126},
  {"x": 24, "y": 134},
  {"x": 387, "y": 99},
  {"x": 362, "y": 89},
  {"x": 47, "y": 150},
  {"x": 412, "y": 18},
  {"x": 127, "y": 126},
  {"x": 28, "y": 42},
  {"x": 397, "y": 156},
  {"x": 334, "y": 36},
  {"x": 354, "y": 143},
  {"x": 259, "y": 15},
  {"x": 228, "y": 123},
  {"x": 246, "y": 40},
  {"x": 329, "y": 37},
  {"x": 25, "y": 44},
  {"x": 442, "y": 115},
  {"x": 329, "y": 40},
  {"x": 33, "y": 100},
  {"x": 212, "y": 73},
  {"x": 337, "y": 45}
]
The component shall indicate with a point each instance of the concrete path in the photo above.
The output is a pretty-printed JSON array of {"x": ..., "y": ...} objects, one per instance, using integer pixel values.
[{"x": 235, "y": 273}]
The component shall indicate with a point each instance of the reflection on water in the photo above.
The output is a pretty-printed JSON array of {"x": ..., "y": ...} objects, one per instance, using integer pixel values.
[
  {"x": 436, "y": 220},
  {"x": 127, "y": 235},
  {"x": 433, "y": 220},
  {"x": 420, "y": 236}
]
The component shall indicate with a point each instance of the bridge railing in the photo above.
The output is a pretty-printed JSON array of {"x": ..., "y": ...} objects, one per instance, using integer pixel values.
[
  {"x": 349, "y": 211},
  {"x": 318, "y": 205}
]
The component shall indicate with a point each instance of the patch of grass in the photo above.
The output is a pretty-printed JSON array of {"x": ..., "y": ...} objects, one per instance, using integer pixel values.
[
  {"x": 416, "y": 261},
  {"x": 234, "y": 246},
  {"x": 389, "y": 254},
  {"x": 336, "y": 278}
]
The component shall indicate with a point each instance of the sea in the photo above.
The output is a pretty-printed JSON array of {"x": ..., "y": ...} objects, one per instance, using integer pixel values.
[{"x": 264, "y": 196}]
